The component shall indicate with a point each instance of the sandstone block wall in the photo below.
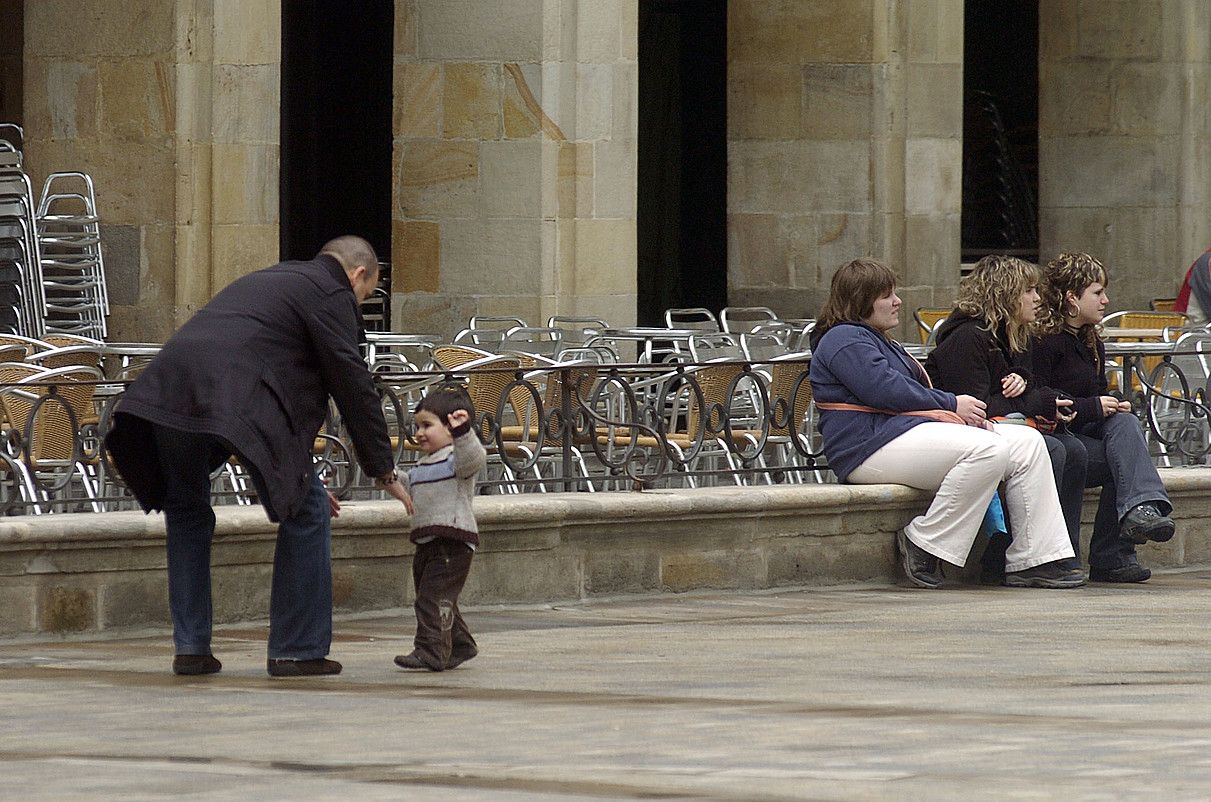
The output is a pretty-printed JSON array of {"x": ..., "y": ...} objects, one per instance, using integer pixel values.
[
  {"x": 514, "y": 187},
  {"x": 845, "y": 140},
  {"x": 84, "y": 572},
  {"x": 172, "y": 107},
  {"x": 514, "y": 147},
  {"x": 1124, "y": 138}
]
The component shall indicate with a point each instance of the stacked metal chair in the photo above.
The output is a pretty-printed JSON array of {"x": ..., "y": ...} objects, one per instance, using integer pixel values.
[
  {"x": 52, "y": 277},
  {"x": 22, "y": 310},
  {"x": 73, "y": 272}
]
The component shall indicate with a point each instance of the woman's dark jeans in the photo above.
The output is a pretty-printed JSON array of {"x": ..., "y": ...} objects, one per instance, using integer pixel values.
[{"x": 1120, "y": 464}]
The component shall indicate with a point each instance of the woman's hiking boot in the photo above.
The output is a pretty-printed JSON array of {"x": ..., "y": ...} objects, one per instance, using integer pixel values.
[
  {"x": 922, "y": 568},
  {"x": 1055, "y": 574}
]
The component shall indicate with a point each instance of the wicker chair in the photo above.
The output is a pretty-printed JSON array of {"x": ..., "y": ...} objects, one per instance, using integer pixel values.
[
  {"x": 928, "y": 319},
  {"x": 790, "y": 386},
  {"x": 57, "y": 340},
  {"x": 1162, "y": 304},
  {"x": 697, "y": 317},
  {"x": 489, "y": 375},
  {"x": 1135, "y": 319},
  {"x": 739, "y": 319},
  {"x": 532, "y": 436},
  {"x": 529, "y": 340},
  {"x": 48, "y": 436},
  {"x": 694, "y": 444},
  {"x": 67, "y": 356},
  {"x": 576, "y": 330},
  {"x": 30, "y": 345}
]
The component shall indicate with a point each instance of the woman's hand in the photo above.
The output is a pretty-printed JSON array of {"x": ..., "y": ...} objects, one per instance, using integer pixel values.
[
  {"x": 971, "y": 409},
  {"x": 1013, "y": 385},
  {"x": 1064, "y": 411},
  {"x": 1111, "y": 405}
]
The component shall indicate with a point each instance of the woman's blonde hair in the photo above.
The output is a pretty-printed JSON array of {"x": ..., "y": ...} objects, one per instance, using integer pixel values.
[
  {"x": 1069, "y": 272},
  {"x": 855, "y": 287},
  {"x": 993, "y": 291}
]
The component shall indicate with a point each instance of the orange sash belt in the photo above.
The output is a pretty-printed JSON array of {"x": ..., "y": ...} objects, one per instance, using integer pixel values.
[{"x": 940, "y": 415}]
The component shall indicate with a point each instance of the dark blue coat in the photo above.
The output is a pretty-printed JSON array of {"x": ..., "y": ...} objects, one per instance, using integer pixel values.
[
  {"x": 854, "y": 364},
  {"x": 255, "y": 368}
]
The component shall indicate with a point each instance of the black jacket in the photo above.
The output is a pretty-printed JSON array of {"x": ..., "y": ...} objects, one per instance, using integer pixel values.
[
  {"x": 255, "y": 367},
  {"x": 971, "y": 360},
  {"x": 1065, "y": 362}
]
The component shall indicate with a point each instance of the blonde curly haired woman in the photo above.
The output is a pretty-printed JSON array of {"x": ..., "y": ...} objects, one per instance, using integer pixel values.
[
  {"x": 1134, "y": 506},
  {"x": 983, "y": 350}
]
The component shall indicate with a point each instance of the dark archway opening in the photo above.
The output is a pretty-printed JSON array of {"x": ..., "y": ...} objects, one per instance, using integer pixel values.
[
  {"x": 336, "y": 124},
  {"x": 1000, "y": 128},
  {"x": 12, "y": 56},
  {"x": 682, "y": 180}
]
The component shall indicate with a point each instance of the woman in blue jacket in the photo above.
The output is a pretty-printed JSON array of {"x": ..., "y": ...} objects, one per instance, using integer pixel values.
[{"x": 882, "y": 422}]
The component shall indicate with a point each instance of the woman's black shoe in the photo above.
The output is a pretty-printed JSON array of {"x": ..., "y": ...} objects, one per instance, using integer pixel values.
[
  {"x": 1129, "y": 571},
  {"x": 1144, "y": 523},
  {"x": 1055, "y": 574},
  {"x": 921, "y": 567}
]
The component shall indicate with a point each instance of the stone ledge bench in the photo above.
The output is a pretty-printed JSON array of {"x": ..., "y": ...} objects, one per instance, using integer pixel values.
[{"x": 88, "y": 572}]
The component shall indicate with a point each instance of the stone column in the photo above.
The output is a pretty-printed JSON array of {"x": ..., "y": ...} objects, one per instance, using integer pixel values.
[
  {"x": 172, "y": 108},
  {"x": 514, "y": 185},
  {"x": 1124, "y": 142},
  {"x": 845, "y": 140}
]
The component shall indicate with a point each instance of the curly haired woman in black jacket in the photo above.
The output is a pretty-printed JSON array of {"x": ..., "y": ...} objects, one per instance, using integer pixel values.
[
  {"x": 982, "y": 350},
  {"x": 1070, "y": 356}
]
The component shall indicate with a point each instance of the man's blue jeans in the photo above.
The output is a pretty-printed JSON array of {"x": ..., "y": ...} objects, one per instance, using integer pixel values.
[{"x": 300, "y": 606}]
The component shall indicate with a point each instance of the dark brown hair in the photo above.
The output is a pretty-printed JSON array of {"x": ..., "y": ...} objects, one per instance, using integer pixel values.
[
  {"x": 1070, "y": 272},
  {"x": 855, "y": 287},
  {"x": 444, "y": 399}
]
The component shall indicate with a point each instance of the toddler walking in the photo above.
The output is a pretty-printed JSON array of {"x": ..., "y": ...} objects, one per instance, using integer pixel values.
[{"x": 443, "y": 527}]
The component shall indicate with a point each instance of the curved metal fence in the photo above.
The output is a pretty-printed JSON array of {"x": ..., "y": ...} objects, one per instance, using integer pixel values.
[{"x": 570, "y": 427}]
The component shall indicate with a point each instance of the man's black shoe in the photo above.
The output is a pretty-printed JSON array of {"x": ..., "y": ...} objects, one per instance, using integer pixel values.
[
  {"x": 191, "y": 665},
  {"x": 1055, "y": 574},
  {"x": 1129, "y": 571},
  {"x": 1144, "y": 523},
  {"x": 919, "y": 566},
  {"x": 414, "y": 662},
  {"x": 319, "y": 667}
]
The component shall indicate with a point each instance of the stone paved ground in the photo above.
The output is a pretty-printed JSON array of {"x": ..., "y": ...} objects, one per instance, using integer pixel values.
[{"x": 846, "y": 694}]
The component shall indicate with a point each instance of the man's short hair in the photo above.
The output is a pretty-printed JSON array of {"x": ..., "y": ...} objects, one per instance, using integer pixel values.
[
  {"x": 444, "y": 399},
  {"x": 352, "y": 251}
]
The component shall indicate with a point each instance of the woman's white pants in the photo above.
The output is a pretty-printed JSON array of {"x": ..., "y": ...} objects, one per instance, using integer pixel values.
[{"x": 964, "y": 465}]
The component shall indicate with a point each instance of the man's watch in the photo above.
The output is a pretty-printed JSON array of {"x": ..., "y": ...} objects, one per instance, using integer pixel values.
[{"x": 386, "y": 479}]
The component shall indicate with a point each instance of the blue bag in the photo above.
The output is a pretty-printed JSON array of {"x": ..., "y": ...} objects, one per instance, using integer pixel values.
[{"x": 994, "y": 518}]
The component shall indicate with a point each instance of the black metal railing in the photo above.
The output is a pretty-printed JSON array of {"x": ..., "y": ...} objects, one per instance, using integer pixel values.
[{"x": 570, "y": 427}]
